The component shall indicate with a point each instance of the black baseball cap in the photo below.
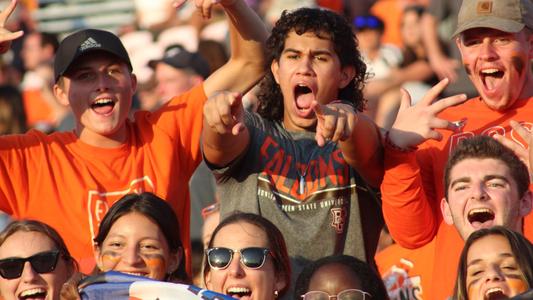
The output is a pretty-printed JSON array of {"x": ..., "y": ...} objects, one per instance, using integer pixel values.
[
  {"x": 179, "y": 58},
  {"x": 85, "y": 41}
]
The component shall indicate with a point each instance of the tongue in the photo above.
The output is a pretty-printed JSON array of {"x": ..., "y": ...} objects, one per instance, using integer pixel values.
[
  {"x": 491, "y": 82},
  {"x": 479, "y": 225},
  {"x": 103, "y": 110},
  {"x": 304, "y": 101}
]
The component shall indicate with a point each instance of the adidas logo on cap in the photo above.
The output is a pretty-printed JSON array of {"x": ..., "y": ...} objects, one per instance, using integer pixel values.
[{"x": 89, "y": 43}]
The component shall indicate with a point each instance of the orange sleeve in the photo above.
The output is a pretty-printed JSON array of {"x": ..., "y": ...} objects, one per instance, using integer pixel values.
[
  {"x": 182, "y": 119},
  {"x": 407, "y": 212},
  {"x": 19, "y": 157}
]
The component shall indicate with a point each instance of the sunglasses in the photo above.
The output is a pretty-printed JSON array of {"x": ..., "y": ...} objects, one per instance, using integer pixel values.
[
  {"x": 252, "y": 257},
  {"x": 42, "y": 262},
  {"x": 349, "y": 294},
  {"x": 361, "y": 22}
]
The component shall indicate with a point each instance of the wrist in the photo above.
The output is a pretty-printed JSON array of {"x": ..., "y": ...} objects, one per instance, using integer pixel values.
[{"x": 390, "y": 144}]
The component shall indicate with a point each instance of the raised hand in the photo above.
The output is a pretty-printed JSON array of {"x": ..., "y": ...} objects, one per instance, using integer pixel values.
[
  {"x": 224, "y": 113},
  {"x": 7, "y": 36},
  {"x": 335, "y": 122},
  {"x": 415, "y": 124},
  {"x": 204, "y": 6},
  {"x": 525, "y": 154}
]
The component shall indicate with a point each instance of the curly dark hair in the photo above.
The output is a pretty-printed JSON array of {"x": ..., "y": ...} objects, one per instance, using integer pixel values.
[{"x": 324, "y": 24}]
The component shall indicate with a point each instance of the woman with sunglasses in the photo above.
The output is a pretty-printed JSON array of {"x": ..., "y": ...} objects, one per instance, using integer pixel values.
[
  {"x": 247, "y": 257},
  {"x": 34, "y": 261},
  {"x": 496, "y": 263},
  {"x": 342, "y": 277}
]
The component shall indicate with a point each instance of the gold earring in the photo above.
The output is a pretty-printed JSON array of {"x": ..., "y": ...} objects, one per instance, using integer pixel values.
[{"x": 276, "y": 294}]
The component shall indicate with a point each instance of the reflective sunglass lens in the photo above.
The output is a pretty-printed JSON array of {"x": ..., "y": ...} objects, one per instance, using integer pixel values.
[
  {"x": 351, "y": 295},
  {"x": 44, "y": 262},
  {"x": 12, "y": 268},
  {"x": 316, "y": 295},
  {"x": 253, "y": 257},
  {"x": 219, "y": 257}
]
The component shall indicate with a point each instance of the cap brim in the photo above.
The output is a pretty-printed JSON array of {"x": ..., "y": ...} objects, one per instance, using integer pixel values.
[
  {"x": 491, "y": 22},
  {"x": 79, "y": 55}
]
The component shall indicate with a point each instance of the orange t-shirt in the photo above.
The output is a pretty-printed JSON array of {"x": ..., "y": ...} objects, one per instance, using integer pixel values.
[
  {"x": 70, "y": 185},
  {"x": 36, "y": 109},
  {"x": 413, "y": 186},
  {"x": 406, "y": 272}
]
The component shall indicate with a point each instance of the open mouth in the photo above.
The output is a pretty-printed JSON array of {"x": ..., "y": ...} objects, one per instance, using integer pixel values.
[
  {"x": 304, "y": 96},
  {"x": 479, "y": 217},
  {"x": 239, "y": 292},
  {"x": 495, "y": 294},
  {"x": 491, "y": 78},
  {"x": 36, "y": 293},
  {"x": 103, "y": 106}
]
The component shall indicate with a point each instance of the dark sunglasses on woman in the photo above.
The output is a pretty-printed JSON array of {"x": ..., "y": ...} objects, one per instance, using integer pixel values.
[
  {"x": 251, "y": 257},
  {"x": 42, "y": 262},
  {"x": 349, "y": 294}
]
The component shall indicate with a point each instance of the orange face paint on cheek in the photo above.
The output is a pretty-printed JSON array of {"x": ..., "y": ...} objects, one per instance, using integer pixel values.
[
  {"x": 517, "y": 285},
  {"x": 109, "y": 260}
]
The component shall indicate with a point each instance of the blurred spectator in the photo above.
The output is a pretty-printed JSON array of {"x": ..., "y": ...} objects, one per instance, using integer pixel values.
[
  {"x": 354, "y": 8},
  {"x": 276, "y": 7},
  {"x": 214, "y": 52},
  {"x": 12, "y": 116},
  {"x": 176, "y": 72},
  {"x": 380, "y": 59},
  {"x": 438, "y": 25},
  {"x": 42, "y": 109}
]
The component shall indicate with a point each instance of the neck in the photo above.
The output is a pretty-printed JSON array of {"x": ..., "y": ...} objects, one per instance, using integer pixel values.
[{"x": 102, "y": 141}]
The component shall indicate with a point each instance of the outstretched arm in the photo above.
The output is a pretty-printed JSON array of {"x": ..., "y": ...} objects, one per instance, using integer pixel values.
[
  {"x": 7, "y": 36},
  {"x": 248, "y": 34},
  {"x": 225, "y": 136}
]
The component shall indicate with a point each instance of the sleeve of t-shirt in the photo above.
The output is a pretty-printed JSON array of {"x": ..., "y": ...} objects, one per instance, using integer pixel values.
[
  {"x": 181, "y": 119},
  {"x": 18, "y": 159},
  {"x": 407, "y": 212}
]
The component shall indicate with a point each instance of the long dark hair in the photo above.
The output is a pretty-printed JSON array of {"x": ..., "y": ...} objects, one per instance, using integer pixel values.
[
  {"x": 520, "y": 246},
  {"x": 325, "y": 24},
  {"x": 159, "y": 211},
  {"x": 276, "y": 243}
]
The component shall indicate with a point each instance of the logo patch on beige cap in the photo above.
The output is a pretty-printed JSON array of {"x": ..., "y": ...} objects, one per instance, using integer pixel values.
[{"x": 484, "y": 7}]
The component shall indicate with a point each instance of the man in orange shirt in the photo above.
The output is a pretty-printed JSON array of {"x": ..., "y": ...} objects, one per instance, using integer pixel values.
[
  {"x": 496, "y": 45},
  {"x": 70, "y": 179}
]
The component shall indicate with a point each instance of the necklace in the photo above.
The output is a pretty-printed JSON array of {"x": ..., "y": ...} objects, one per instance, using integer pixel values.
[{"x": 302, "y": 187}]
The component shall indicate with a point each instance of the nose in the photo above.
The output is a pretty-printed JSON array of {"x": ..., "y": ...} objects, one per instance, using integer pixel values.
[
  {"x": 131, "y": 257},
  {"x": 478, "y": 192},
  {"x": 487, "y": 51},
  {"x": 103, "y": 81},
  {"x": 235, "y": 268},
  {"x": 305, "y": 66},
  {"x": 493, "y": 273},
  {"x": 28, "y": 273}
]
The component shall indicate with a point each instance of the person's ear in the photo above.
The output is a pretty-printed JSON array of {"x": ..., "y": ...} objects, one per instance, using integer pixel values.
[
  {"x": 274, "y": 67},
  {"x": 175, "y": 261},
  {"x": 526, "y": 204},
  {"x": 133, "y": 82},
  {"x": 446, "y": 211},
  {"x": 347, "y": 74},
  {"x": 60, "y": 94},
  {"x": 281, "y": 283}
]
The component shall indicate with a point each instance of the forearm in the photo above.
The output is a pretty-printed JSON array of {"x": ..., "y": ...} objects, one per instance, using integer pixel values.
[
  {"x": 222, "y": 149},
  {"x": 246, "y": 64},
  {"x": 364, "y": 151},
  {"x": 406, "y": 209}
]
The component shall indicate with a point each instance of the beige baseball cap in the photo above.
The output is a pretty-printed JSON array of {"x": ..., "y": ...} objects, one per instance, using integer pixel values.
[{"x": 504, "y": 15}]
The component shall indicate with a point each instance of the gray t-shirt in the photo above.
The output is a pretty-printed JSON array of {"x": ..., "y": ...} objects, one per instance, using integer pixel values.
[{"x": 319, "y": 203}]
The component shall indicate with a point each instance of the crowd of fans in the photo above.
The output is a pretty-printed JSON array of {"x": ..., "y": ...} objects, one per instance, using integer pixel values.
[{"x": 271, "y": 149}]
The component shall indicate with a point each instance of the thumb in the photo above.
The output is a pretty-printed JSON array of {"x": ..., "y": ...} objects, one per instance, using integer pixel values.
[
  {"x": 318, "y": 109},
  {"x": 235, "y": 103},
  {"x": 405, "y": 102}
]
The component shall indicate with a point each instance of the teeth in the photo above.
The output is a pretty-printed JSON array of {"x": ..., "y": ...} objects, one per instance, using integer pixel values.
[
  {"x": 31, "y": 292},
  {"x": 490, "y": 71},
  {"x": 479, "y": 211},
  {"x": 103, "y": 101},
  {"x": 134, "y": 273},
  {"x": 494, "y": 290},
  {"x": 238, "y": 290}
]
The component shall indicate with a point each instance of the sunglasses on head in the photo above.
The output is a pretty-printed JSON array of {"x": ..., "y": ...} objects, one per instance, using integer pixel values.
[
  {"x": 349, "y": 294},
  {"x": 361, "y": 22},
  {"x": 42, "y": 262},
  {"x": 251, "y": 257}
]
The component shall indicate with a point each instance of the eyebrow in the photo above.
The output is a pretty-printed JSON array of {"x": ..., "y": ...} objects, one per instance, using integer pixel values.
[
  {"x": 479, "y": 260},
  {"x": 485, "y": 178},
  {"x": 313, "y": 52}
]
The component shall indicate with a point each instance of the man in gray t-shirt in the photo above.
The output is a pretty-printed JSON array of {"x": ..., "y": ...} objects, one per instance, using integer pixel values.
[{"x": 306, "y": 161}]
